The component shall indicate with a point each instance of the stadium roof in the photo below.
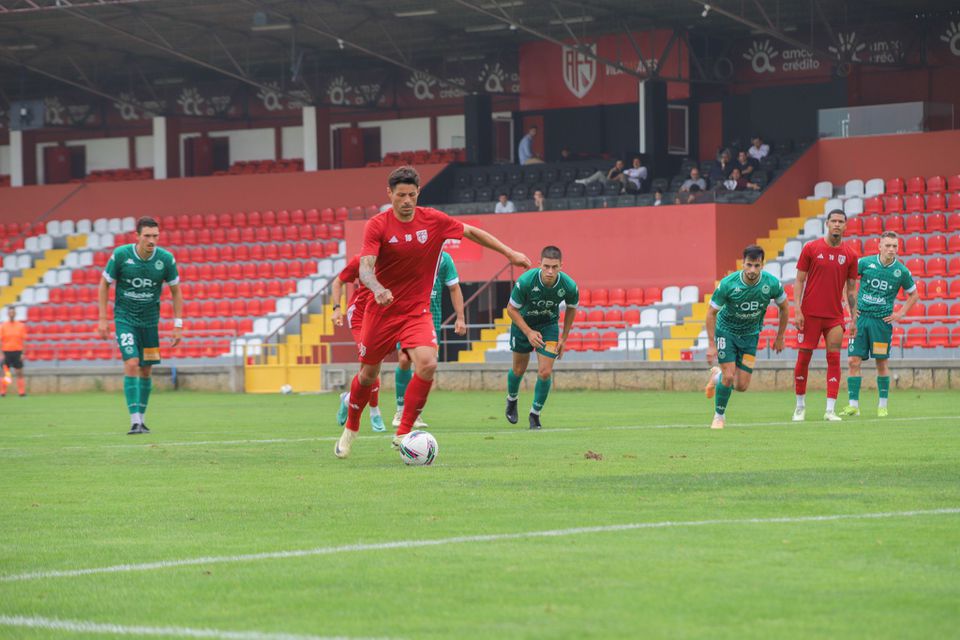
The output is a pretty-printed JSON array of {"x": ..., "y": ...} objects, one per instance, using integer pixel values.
[{"x": 93, "y": 44}]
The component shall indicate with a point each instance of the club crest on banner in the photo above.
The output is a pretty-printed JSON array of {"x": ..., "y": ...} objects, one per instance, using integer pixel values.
[{"x": 579, "y": 70}]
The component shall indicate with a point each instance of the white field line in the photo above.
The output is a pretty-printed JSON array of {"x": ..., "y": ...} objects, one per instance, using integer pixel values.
[
  {"x": 500, "y": 432},
  {"x": 82, "y": 626},
  {"x": 497, "y": 537}
]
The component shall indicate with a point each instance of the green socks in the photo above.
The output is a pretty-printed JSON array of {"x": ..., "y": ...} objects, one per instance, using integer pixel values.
[
  {"x": 883, "y": 387},
  {"x": 401, "y": 379},
  {"x": 540, "y": 392},
  {"x": 513, "y": 384},
  {"x": 146, "y": 385},
  {"x": 131, "y": 391},
  {"x": 721, "y": 398},
  {"x": 853, "y": 390}
]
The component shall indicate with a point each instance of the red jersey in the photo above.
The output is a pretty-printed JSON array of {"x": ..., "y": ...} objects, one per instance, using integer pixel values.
[
  {"x": 828, "y": 269},
  {"x": 351, "y": 273},
  {"x": 408, "y": 254}
]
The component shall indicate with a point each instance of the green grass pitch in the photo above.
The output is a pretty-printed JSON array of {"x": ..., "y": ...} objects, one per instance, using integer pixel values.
[{"x": 726, "y": 539}]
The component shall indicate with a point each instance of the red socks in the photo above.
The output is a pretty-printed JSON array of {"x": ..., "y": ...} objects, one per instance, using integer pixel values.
[
  {"x": 833, "y": 374},
  {"x": 413, "y": 403},
  {"x": 802, "y": 371},
  {"x": 375, "y": 394},
  {"x": 21, "y": 385},
  {"x": 359, "y": 397}
]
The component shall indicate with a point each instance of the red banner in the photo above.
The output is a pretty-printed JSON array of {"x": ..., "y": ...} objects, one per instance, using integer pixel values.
[{"x": 554, "y": 76}]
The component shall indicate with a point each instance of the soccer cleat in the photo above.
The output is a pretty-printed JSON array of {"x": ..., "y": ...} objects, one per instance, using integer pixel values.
[
  {"x": 511, "y": 412},
  {"x": 143, "y": 428},
  {"x": 342, "y": 447},
  {"x": 711, "y": 387},
  {"x": 717, "y": 423},
  {"x": 134, "y": 430},
  {"x": 800, "y": 414},
  {"x": 882, "y": 412},
  {"x": 376, "y": 423},
  {"x": 534, "y": 421},
  {"x": 342, "y": 411},
  {"x": 397, "y": 417},
  {"x": 849, "y": 410},
  {"x": 419, "y": 423},
  {"x": 830, "y": 416},
  {"x": 395, "y": 443}
]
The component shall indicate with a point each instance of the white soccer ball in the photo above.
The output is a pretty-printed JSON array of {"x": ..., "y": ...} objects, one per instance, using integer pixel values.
[
  {"x": 418, "y": 448},
  {"x": 286, "y": 389}
]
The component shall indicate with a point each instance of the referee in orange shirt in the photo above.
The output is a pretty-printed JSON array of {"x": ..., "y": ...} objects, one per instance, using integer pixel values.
[{"x": 12, "y": 335}]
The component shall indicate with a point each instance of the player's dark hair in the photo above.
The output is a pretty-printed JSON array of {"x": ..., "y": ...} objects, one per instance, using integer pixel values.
[
  {"x": 403, "y": 175},
  {"x": 838, "y": 212},
  {"x": 889, "y": 234},
  {"x": 146, "y": 221},
  {"x": 754, "y": 252},
  {"x": 551, "y": 252}
]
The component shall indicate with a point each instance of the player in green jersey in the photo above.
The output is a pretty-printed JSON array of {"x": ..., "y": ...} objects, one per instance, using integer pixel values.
[
  {"x": 447, "y": 278},
  {"x": 881, "y": 278},
  {"x": 535, "y": 310},
  {"x": 139, "y": 271},
  {"x": 734, "y": 320}
]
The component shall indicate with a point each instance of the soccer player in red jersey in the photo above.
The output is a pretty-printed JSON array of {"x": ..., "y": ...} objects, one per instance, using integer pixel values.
[
  {"x": 824, "y": 267},
  {"x": 354, "y": 316},
  {"x": 398, "y": 263}
]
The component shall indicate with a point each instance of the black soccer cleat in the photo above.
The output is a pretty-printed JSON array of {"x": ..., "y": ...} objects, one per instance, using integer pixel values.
[
  {"x": 511, "y": 412},
  {"x": 534, "y": 421},
  {"x": 135, "y": 429},
  {"x": 143, "y": 428}
]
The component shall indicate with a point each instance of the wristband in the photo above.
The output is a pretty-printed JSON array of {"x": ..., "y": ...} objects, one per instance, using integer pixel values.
[
  {"x": 335, "y": 307},
  {"x": 178, "y": 323}
]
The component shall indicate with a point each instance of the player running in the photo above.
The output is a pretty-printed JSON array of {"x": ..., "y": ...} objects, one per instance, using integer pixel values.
[
  {"x": 535, "y": 310},
  {"x": 881, "y": 278},
  {"x": 448, "y": 277},
  {"x": 734, "y": 320},
  {"x": 139, "y": 271},
  {"x": 358, "y": 303},
  {"x": 13, "y": 334},
  {"x": 398, "y": 263},
  {"x": 824, "y": 267}
]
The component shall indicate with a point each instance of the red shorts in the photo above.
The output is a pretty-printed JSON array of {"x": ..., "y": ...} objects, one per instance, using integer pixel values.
[
  {"x": 813, "y": 328},
  {"x": 380, "y": 335},
  {"x": 355, "y": 319}
]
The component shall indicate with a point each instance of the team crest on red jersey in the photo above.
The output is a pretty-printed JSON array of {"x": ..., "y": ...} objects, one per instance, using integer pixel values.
[
  {"x": 422, "y": 236},
  {"x": 841, "y": 258}
]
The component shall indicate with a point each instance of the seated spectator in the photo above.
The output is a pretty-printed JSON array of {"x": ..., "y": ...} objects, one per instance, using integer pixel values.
[
  {"x": 746, "y": 164},
  {"x": 636, "y": 176},
  {"x": 504, "y": 205},
  {"x": 565, "y": 155},
  {"x": 539, "y": 202},
  {"x": 720, "y": 170},
  {"x": 615, "y": 174},
  {"x": 736, "y": 182},
  {"x": 657, "y": 198},
  {"x": 694, "y": 181},
  {"x": 525, "y": 153},
  {"x": 758, "y": 151}
]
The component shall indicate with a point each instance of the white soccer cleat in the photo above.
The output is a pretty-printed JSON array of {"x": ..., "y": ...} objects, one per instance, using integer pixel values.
[
  {"x": 419, "y": 423},
  {"x": 831, "y": 416},
  {"x": 342, "y": 447},
  {"x": 717, "y": 423},
  {"x": 395, "y": 443},
  {"x": 397, "y": 417},
  {"x": 711, "y": 387},
  {"x": 800, "y": 414}
]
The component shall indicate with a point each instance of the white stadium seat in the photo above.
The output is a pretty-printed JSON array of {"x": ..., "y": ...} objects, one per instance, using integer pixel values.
[
  {"x": 45, "y": 242},
  {"x": 853, "y": 189},
  {"x": 667, "y": 316},
  {"x": 64, "y": 276},
  {"x": 788, "y": 271},
  {"x": 261, "y": 327},
  {"x": 72, "y": 260},
  {"x": 53, "y": 227},
  {"x": 10, "y": 262},
  {"x": 100, "y": 225},
  {"x": 42, "y": 295},
  {"x": 325, "y": 268},
  {"x": 813, "y": 227},
  {"x": 24, "y": 261},
  {"x": 4, "y": 279},
  {"x": 853, "y": 206},
  {"x": 115, "y": 225},
  {"x": 831, "y": 204},
  {"x": 283, "y": 306},
  {"x": 128, "y": 224},
  {"x": 773, "y": 268},
  {"x": 671, "y": 295},
  {"x": 28, "y": 296},
  {"x": 649, "y": 318},
  {"x": 84, "y": 226},
  {"x": 823, "y": 190},
  {"x": 874, "y": 187},
  {"x": 32, "y": 244},
  {"x": 67, "y": 228},
  {"x": 86, "y": 258},
  {"x": 645, "y": 340},
  {"x": 304, "y": 287},
  {"x": 792, "y": 249},
  {"x": 689, "y": 294}
]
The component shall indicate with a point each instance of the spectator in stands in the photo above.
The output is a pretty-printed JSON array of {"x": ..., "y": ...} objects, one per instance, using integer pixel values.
[
  {"x": 758, "y": 150},
  {"x": 504, "y": 205},
  {"x": 565, "y": 155},
  {"x": 539, "y": 202},
  {"x": 525, "y": 151},
  {"x": 636, "y": 176},
  {"x": 694, "y": 181},
  {"x": 721, "y": 169},
  {"x": 615, "y": 174},
  {"x": 736, "y": 182},
  {"x": 657, "y": 198},
  {"x": 746, "y": 164}
]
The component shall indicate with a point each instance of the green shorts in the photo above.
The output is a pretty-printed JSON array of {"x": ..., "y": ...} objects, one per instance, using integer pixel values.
[
  {"x": 138, "y": 342},
  {"x": 550, "y": 333},
  {"x": 873, "y": 339},
  {"x": 739, "y": 349}
]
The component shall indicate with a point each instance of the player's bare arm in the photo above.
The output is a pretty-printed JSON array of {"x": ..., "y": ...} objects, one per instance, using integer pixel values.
[
  {"x": 368, "y": 277},
  {"x": 568, "y": 319},
  {"x": 852, "y": 303},
  {"x": 456, "y": 298},
  {"x": 711, "y": 326},
  {"x": 103, "y": 296},
  {"x": 798, "y": 297},
  {"x": 782, "y": 327},
  {"x": 534, "y": 337},
  {"x": 177, "y": 294},
  {"x": 336, "y": 295},
  {"x": 487, "y": 240},
  {"x": 897, "y": 316}
]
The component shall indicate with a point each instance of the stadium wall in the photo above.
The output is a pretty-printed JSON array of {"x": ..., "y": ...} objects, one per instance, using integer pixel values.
[{"x": 901, "y": 155}]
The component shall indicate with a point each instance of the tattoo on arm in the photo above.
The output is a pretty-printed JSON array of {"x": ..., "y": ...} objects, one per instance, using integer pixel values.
[{"x": 368, "y": 276}]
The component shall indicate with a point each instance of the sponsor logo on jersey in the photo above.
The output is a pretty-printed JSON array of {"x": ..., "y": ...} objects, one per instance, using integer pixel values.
[
  {"x": 871, "y": 266},
  {"x": 363, "y": 349},
  {"x": 394, "y": 240},
  {"x": 536, "y": 289},
  {"x": 819, "y": 256},
  {"x": 833, "y": 379},
  {"x": 422, "y": 236},
  {"x": 129, "y": 261},
  {"x": 159, "y": 265}
]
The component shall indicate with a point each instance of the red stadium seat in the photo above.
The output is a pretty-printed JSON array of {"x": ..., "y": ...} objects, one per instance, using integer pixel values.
[
  {"x": 211, "y": 221},
  {"x": 915, "y": 202},
  {"x": 916, "y": 267},
  {"x": 936, "y": 222},
  {"x": 281, "y": 270},
  {"x": 244, "y": 289},
  {"x": 916, "y": 337},
  {"x": 894, "y": 185},
  {"x": 652, "y": 295},
  {"x": 208, "y": 309},
  {"x": 356, "y": 213},
  {"x": 937, "y": 244},
  {"x": 953, "y": 267},
  {"x": 937, "y": 288},
  {"x": 631, "y": 317},
  {"x": 617, "y": 297},
  {"x": 336, "y": 231},
  {"x": 938, "y": 312},
  {"x": 229, "y": 289},
  {"x": 254, "y": 308},
  {"x": 872, "y": 225},
  {"x": 599, "y": 297},
  {"x": 854, "y": 226},
  {"x": 954, "y": 289},
  {"x": 855, "y": 245},
  {"x": 328, "y": 215},
  {"x": 953, "y": 183},
  {"x": 269, "y": 218},
  {"x": 168, "y": 223},
  {"x": 871, "y": 246},
  {"x": 307, "y": 232},
  {"x": 574, "y": 341},
  {"x": 915, "y": 246},
  {"x": 939, "y": 337},
  {"x": 323, "y": 231},
  {"x": 936, "y": 202},
  {"x": 936, "y": 184},
  {"x": 634, "y": 297},
  {"x": 613, "y": 318},
  {"x": 223, "y": 309},
  {"x": 342, "y": 214},
  {"x": 238, "y": 308},
  {"x": 937, "y": 267},
  {"x": 917, "y": 313},
  {"x": 892, "y": 204},
  {"x": 370, "y": 210},
  {"x": 312, "y": 216},
  {"x": 591, "y": 341},
  {"x": 283, "y": 217},
  {"x": 916, "y": 185},
  {"x": 196, "y": 221},
  {"x": 953, "y": 243},
  {"x": 285, "y": 251},
  {"x": 295, "y": 269},
  {"x": 953, "y": 202},
  {"x": 955, "y": 337},
  {"x": 896, "y": 223},
  {"x": 873, "y": 204}
]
